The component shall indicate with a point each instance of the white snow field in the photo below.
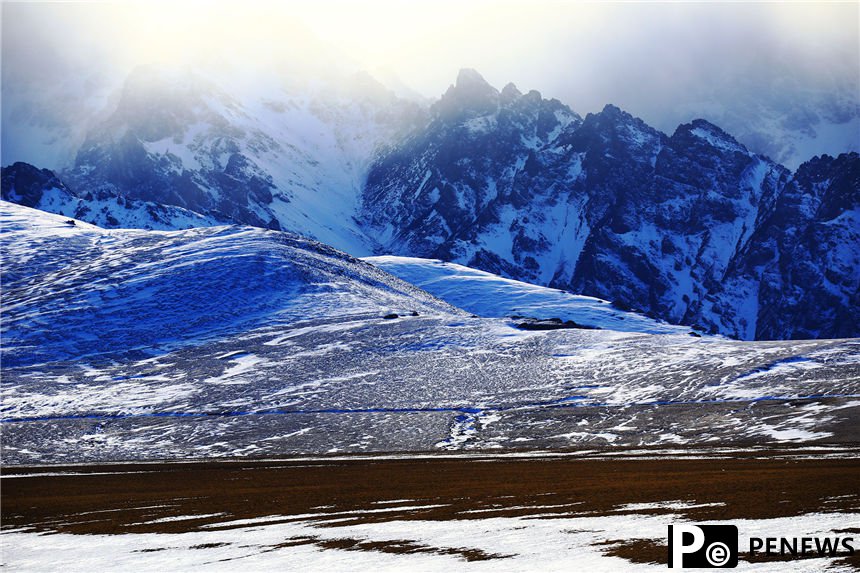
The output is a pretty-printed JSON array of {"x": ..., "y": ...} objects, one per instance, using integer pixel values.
[
  {"x": 298, "y": 543},
  {"x": 492, "y": 296},
  {"x": 234, "y": 341}
]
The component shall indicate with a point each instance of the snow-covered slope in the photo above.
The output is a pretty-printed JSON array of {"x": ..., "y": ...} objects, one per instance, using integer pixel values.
[
  {"x": 268, "y": 151},
  {"x": 132, "y": 344},
  {"x": 489, "y": 295},
  {"x": 72, "y": 290}
]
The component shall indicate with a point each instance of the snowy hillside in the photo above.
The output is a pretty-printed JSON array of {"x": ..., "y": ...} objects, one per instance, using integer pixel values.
[
  {"x": 489, "y": 295},
  {"x": 235, "y": 341},
  {"x": 72, "y": 290}
]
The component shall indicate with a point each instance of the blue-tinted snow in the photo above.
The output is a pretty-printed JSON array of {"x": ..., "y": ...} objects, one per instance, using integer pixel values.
[
  {"x": 75, "y": 290},
  {"x": 489, "y": 295},
  {"x": 231, "y": 341}
]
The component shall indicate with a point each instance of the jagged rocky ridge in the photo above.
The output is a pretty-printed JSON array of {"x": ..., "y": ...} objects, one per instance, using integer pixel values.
[
  {"x": 691, "y": 228},
  {"x": 42, "y": 189}
]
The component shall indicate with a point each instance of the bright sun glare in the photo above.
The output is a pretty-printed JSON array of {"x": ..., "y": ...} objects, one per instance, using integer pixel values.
[{"x": 369, "y": 33}]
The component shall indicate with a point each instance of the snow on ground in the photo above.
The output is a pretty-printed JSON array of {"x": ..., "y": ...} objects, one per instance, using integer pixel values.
[
  {"x": 302, "y": 543},
  {"x": 232, "y": 341},
  {"x": 420, "y": 383},
  {"x": 489, "y": 295},
  {"x": 74, "y": 290}
]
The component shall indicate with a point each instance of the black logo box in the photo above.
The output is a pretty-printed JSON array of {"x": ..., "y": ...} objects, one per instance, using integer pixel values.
[{"x": 717, "y": 550}]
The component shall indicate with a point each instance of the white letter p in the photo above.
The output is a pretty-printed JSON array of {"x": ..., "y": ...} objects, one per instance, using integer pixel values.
[{"x": 676, "y": 542}]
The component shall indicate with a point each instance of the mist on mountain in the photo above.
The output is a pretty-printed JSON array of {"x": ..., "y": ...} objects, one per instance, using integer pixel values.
[{"x": 784, "y": 79}]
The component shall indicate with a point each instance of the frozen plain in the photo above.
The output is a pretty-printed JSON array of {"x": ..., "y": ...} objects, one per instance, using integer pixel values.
[{"x": 428, "y": 513}]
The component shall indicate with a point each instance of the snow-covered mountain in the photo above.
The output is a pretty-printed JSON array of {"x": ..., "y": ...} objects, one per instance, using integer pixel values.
[
  {"x": 51, "y": 98},
  {"x": 610, "y": 207},
  {"x": 802, "y": 264},
  {"x": 270, "y": 150},
  {"x": 690, "y": 228},
  {"x": 42, "y": 189},
  {"x": 279, "y": 154},
  {"x": 787, "y": 114},
  {"x": 238, "y": 341}
]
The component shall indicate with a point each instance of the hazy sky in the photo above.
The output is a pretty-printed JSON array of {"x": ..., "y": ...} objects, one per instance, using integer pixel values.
[{"x": 649, "y": 58}]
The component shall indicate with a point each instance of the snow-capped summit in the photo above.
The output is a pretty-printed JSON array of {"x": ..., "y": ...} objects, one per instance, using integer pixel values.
[
  {"x": 509, "y": 93},
  {"x": 286, "y": 154},
  {"x": 453, "y": 174},
  {"x": 711, "y": 134},
  {"x": 610, "y": 207}
]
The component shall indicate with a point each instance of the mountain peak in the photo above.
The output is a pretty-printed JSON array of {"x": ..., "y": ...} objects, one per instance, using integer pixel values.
[
  {"x": 706, "y": 125},
  {"x": 533, "y": 95},
  {"x": 612, "y": 115},
  {"x": 471, "y": 96},
  {"x": 468, "y": 77},
  {"x": 25, "y": 184},
  {"x": 706, "y": 131},
  {"x": 510, "y": 93}
]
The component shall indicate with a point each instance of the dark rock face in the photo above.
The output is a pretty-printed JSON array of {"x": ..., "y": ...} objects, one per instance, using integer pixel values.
[
  {"x": 692, "y": 228},
  {"x": 438, "y": 191},
  {"x": 24, "y": 184},
  {"x": 673, "y": 225},
  {"x": 551, "y": 324},
  {"x": 42, "y": 189},
  {"x": 806, "y": 254}
]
